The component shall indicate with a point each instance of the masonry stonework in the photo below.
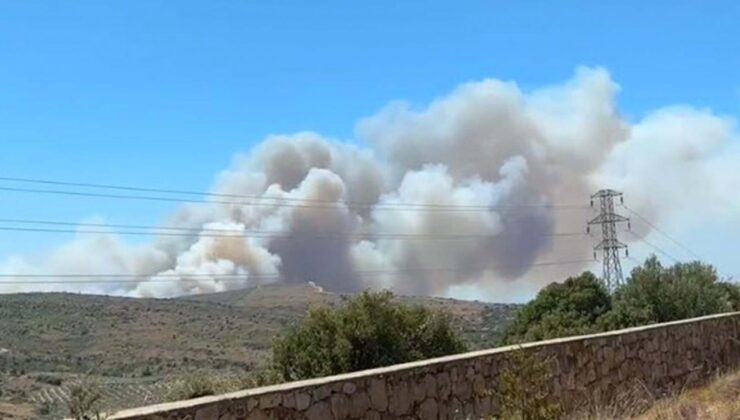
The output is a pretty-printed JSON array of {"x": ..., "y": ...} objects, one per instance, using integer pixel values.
[{"x": 664, "y": 358}]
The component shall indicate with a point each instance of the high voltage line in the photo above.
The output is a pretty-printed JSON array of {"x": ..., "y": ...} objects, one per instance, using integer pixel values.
[
  {"x": 283, "y": 235},
  {"x": 233, "y": 233},
  {"x": 165, "y": 195},
  {"x": 249, "y": 196},
  {"x": 276, "y": 202},
  {"x": 168, "y": 277},
  {"x": 661, "y": 232},
  {"x": 255, "y": 200},
  {"x": 655, "y": 247},
  {"x": 223, "y": 233},
  {"x": 665, "y": 235}
]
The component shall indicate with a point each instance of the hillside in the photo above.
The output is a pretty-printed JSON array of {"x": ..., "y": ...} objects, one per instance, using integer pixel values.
[
  {"x": 136, "y": 346},
  {"x": 480, "y": 322}
]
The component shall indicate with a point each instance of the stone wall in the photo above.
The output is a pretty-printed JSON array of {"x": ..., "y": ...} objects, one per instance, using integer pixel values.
[{"x": 664, "y": 358}]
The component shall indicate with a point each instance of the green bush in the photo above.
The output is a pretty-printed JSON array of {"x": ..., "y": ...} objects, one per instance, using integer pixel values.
[
  {"x": 204, "y": 383},
  {"x": 85, "y": 401},
  {"x": 370, "y": 330},
  {"x": 654, "y": 293},
  {"x": 45, "y": 408},
  {"x": 651, "y": 294},
  {"x": 733, "y": 293},
  {"x": 49, "y": 379},
  {"x": 561, "y": 309},
  {"x": 195, "y": 385}
]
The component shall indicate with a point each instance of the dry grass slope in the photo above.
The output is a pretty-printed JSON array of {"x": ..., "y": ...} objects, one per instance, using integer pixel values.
[{"x": 718, "y": 400}]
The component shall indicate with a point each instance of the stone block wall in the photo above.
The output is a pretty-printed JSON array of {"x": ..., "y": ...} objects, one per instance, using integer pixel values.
[{"x": 663, "y": 358}]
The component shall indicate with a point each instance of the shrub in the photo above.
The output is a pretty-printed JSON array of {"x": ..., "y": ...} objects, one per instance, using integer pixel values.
[
  {"x": 194, "y": 385},
  {"x": 561, "y": 309},
  {"x": 733, "y": 293},
  {"x": 45, "y": 408},
  {"x": 85, "y": 401},
  {"x": 49, "y": 379},
  {"x": 370, "y": 330},
  {"x": 654, "y": 294},
  {"x": 523, "y": 392},
  {"x": 651, "y": 294},
  {"x": 202, "y": 384}
]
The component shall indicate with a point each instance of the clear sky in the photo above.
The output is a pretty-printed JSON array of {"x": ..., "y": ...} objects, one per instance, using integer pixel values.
[{"x": 164, "y": 93}]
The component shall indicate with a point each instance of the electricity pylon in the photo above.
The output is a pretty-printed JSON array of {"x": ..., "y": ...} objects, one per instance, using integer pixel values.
[{"x": 610, "y": 244}]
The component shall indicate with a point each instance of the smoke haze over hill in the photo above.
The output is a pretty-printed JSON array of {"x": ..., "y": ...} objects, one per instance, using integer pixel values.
[{"x": 487, "y": 144}]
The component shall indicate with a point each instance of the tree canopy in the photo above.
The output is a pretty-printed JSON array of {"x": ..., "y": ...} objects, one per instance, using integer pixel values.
[
  {"x": 371, "y": 330},
  {"x": 561, "y": 309},
  {"x": 654, "y": 293},
  {"x": 651, "y": 294}
]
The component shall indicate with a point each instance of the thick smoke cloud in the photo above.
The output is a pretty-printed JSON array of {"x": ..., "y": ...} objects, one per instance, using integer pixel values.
[{"x": 486, "y": 144}]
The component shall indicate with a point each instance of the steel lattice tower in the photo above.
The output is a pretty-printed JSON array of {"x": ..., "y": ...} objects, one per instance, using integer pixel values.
[{"x": 609, "y": 245}]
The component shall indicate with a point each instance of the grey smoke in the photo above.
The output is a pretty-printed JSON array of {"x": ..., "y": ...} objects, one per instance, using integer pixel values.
[{"x": 487, "y": 143}]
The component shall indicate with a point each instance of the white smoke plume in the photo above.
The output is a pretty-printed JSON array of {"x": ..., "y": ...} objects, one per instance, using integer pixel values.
[{"x": 487, "y": 144}]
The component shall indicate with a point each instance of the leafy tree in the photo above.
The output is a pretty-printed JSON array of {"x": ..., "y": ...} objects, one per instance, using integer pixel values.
[
  {"x": 652, "y": 294},
  {"x": 733, "y": 293},
  {"x": 658, "y": 294},
  {"x": 371, "y": 330},
  {"x": 561, "y": 309}
]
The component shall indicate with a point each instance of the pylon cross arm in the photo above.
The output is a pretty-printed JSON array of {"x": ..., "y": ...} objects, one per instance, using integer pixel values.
[
  {"x": 608, "y": 218},
  {"x": 606, "y": 193},
  {"x": 610, "y": 244}
]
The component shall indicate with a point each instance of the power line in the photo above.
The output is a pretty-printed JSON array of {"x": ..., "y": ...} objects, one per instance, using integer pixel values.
[
  {"x": 655, "y": 247},
  {"x": 205, "y": 275},
  {"x": 266, "y": 201},
  {"x": 247, "y": 196},
  {"x": 294, "y": 235},
  {"x": 276, "y": 202},
  {"x": 168, "y": 277},
  {"x": 660, "y": 231}
]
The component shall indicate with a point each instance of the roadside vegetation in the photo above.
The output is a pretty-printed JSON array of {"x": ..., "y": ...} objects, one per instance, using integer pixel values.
[
  {"x": 651, "y": 294},
  {"x": 719, "y": 400},
  {"x": 373, "y": 330},
  {"x": 336, "y": 333},
  {"x": 370, "y": 330},
  {"x": 581, "y": 305}
]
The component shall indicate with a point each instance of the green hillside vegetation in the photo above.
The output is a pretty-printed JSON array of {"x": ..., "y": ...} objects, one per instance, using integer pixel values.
[
  {"x": 145, "y": 351},
  {"x": 142, "y": 350}
]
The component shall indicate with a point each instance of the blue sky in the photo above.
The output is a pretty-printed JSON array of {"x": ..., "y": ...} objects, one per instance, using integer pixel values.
[{"x": 165, "y": 93}]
